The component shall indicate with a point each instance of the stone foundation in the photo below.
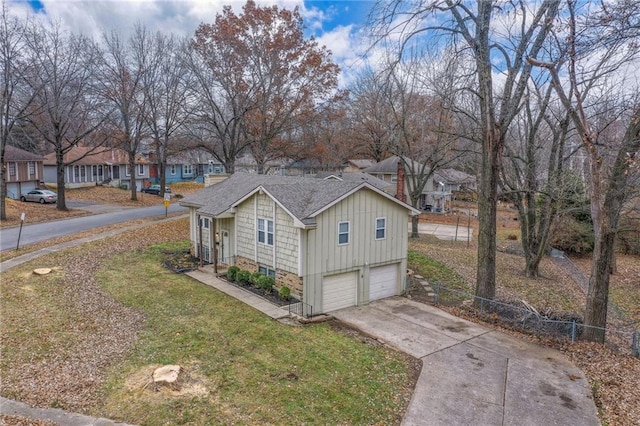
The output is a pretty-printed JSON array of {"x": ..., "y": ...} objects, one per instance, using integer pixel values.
[{"x": 283, "y": 278}]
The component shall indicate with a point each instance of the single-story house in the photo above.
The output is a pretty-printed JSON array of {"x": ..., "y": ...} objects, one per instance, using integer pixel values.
[
  {"x": 24, "y": 171},
  {"x": 452, "y": 180},
  {"x": 186, "y": 166},
  {"x": 90, "y": 166},
  {"x": 357, "y": 165},
  {"x": 334, "y": 243}
]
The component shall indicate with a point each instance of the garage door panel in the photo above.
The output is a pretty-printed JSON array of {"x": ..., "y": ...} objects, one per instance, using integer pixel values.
[
  {"x": 339, "y": 291},
  {"x": 383, "y": 281}
]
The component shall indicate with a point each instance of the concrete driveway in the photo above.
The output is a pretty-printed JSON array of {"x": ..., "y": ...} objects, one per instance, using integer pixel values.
[
  {"x": 472, "y": 375},
  {"x": 445, "y": 232}
]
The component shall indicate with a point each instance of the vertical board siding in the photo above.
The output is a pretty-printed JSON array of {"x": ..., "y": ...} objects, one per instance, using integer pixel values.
[{"x": 325, "y": 257}]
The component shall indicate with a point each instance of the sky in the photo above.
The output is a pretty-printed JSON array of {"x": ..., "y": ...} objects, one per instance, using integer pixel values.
[{"x": 336, "y": 24}]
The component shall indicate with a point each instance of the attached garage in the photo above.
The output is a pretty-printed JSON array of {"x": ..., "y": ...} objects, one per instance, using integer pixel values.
[
  {"x": 383, "y": 281},
  {"x": 339, "y": 291}
]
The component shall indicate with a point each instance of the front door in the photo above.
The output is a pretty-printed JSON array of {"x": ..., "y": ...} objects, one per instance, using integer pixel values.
[{"x": 225, "y": 250}]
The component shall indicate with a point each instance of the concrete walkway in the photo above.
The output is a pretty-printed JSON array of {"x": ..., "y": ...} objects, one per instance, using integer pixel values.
[
  {"x": 244, "y": 296},
  {"x": 472, "y": 375}
]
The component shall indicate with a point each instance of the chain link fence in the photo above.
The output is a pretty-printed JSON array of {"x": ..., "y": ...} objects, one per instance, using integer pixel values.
[{"x": 528, "y": 319}]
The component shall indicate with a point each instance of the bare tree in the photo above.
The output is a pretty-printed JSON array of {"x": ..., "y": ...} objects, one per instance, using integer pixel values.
[
  {"x": 524, "y": 29},
  {"x": 532, "y": 176},
  {"x": 421, "y": 133},
  {"x": 66, "y": 111},
  {"x": 122, "y": 70},
  {"x": 600, "y": 44},
  {"x": 16, "y": 92},
  {"x": 370, "y": 116},
  {"x": 165, "y": 89}
]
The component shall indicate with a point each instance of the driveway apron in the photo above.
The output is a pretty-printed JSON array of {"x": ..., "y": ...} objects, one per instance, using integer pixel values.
[{"x": 473, "y": 375}]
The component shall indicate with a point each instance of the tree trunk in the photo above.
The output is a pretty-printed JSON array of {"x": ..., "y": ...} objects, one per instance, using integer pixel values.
[
  {"x": 487, "y": 214},
  {"x": 3, "y": 187},
  {"x": 61, "y": 204},
  {"x": 414, "y": 226},
  {"x": 132, "y": 175}
]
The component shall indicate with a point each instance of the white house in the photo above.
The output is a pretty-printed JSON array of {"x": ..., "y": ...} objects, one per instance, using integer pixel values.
[{"x": 334, "y": 243}]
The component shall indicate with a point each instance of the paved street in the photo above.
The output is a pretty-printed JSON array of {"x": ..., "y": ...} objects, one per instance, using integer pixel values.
[
  {"x": 37, "y": 232},
  {"x": 445, "y": 232}
]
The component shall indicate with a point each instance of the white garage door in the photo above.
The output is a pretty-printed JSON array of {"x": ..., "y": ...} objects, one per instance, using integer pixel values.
[
  {"x": 339, "y": 291},
  {"x": 383, "y": 281}
]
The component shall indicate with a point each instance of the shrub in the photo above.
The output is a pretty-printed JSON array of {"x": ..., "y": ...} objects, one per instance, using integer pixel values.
[
  {"x": 243, "y": 277},
  {"x": 284, "y": 292},
  {"x": 232, "y": 273},
  {"x": 255, "y": 277},
  {"x": 572, "y": 236},
  {"x": 266, "y": 283},
  {"x": 178, "y": 196}
]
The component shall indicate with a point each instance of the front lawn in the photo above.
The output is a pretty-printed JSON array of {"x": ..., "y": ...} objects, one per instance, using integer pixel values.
[{"x": 241, "y": 367}]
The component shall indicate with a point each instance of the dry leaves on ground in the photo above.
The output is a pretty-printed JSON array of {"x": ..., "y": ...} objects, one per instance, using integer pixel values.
[{"x": 103, "y": 330}]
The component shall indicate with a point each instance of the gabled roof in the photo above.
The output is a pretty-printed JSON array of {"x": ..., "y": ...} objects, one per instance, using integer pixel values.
[
  {"x": 454, "y": 176},
  {"x": 302, "y": 198},
  {"x": 390, "y": 166},
  {"x": 361, "y": 163},
  {"x": 12, "y": 153},
  {"x": 355, "y": 177},
  {"x": 82, "y": 155}
]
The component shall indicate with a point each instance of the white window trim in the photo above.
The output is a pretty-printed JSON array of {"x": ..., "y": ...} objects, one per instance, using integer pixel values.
[
  {"x": 127, "y": 172},
  {"x": 265, "y": 231},
  {"x": 187, "y": 169},
  {"x": 384, "y": 228},
  {"x": 140, "y": 169},
  {"x": 172, "y": 169},
  {"x": 342, "y": 233}
]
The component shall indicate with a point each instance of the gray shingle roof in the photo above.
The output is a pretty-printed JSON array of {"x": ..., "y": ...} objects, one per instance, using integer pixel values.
[
  {"x": 302, "y": 197},
  {"x": 356, "y": 177}
]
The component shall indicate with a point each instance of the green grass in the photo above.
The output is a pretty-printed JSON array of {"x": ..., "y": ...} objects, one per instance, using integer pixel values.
[
  {"x": 437, "y": 273},
  {"x": 256, "y": 370}
]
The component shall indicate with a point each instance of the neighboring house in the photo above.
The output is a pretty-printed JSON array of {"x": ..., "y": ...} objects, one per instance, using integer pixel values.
[
  {"x": 357, "y": 165},
  {"x": 334, "y": 243},
  {"x": 387, "y": 187},
  {"x": 89, "y": 167},
  {"x": 186, "y": 166},
  {"x": 247, "y": 164},
  {"x": 24, "y": 171},
  {"x": 433, "y": 198},
  {"x": 452, "y": 180}
]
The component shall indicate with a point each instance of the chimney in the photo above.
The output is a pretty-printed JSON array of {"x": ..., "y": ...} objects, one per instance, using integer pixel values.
[{"x": 400, "y": 195}]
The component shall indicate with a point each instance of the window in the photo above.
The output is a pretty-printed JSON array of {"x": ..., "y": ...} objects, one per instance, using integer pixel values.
[
  {"x": 94, "y": 170},
  {"x": 12, "y": 169},
  {"x": 187, "y": 169},
  {"x": 76, "y": 172},
  {"x": 83, "y": 172},
  {"x": 140, "y": 169},
  {"x": 394, "y": 179},
  {"x": 343, "y": 233},
  {"x": 172, "y": 169},
  {"x": 205, "y": 222},
  {"x": 265, "y": 231},
  {"x": 32, "y": 168},
  {"x": 267, "y": 271},
  {"x": 127, "y": 171},
  {"x": 381, "y": 228}
]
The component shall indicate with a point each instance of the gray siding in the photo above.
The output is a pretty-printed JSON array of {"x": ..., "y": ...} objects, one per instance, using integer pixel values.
[
  {"x": 245, "y": 229},
  {"x": 287, "y": 244}
]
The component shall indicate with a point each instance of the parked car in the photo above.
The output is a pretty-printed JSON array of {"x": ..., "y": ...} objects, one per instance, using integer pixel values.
[
  {"x": 155, "y": 190},
  {"x": 40, "y": 196}
]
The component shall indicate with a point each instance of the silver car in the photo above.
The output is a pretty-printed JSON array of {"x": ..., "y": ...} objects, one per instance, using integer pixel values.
[{"x": 40, "y": 195}]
